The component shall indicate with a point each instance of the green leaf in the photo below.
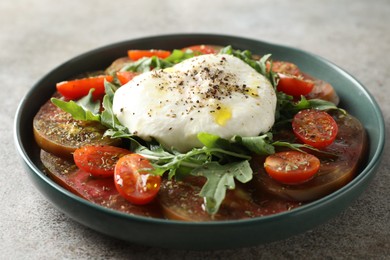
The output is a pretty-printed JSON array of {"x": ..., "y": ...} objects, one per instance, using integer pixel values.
[
  {"x": 178, "y": 56},
  {"x": 298, "y": 147},
  {"x": 257, "y": 144},
  {"x": 323, "y": 105},
  {"x": 88, "y": 104},
  {"x": 84, "y": 109},
  {"x": 214, "y": 141},
  {"x": 259, "y": 65},
  {"x": 211, "y": 141},
  {"x": 219, "y": 179},
  {"x": 287, "y": 107},
  {"x": 107, "y": 116},
  {"x": 148, "y": 63},
  {"x": 263, "y": 63},
  {"x": 141, "y": 65}
]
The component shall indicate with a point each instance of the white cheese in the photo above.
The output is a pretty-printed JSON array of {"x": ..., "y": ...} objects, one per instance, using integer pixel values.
[{"x": 218, "y": 94}]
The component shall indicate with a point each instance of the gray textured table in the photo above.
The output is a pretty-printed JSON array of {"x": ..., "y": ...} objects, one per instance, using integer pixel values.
[{"x": 36, "y": 36}]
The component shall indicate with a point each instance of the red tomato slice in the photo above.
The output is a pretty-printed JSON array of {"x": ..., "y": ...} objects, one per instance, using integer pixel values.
[
  {"x": 78, "y": 88},
  {"x": 133, "y": 183},
  {"x": 99, "y": 161},
  {"x": 291, "y": 167},
  {"x": 138, "y": 54},
  {"x": 294, "y": 86},
  {"x": 125, "y": 76},
  {"x": 202, "y": 49},
  {"x": 314, "y": 127}
]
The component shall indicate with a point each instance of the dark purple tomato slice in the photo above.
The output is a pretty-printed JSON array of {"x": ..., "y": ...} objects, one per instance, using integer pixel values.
[
  {"x": 57, "y": 132},
  {"x": 339, "y": 167}
]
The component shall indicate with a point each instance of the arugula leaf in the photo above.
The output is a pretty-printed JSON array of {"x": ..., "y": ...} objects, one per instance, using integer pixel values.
[
  {"x": 324, "y": 105},
  {"x": 84, "y": 109},
  {"x": 107, "y": 116},
  {"x": 298, "y": 147},
  {"x": 259, "y": 65},
  {"x": 164, "y": 160},
  {"x": 87, "y": 109},
  {"x": 286, "y": 107},
  {"x": 246, "y": 56},
  {"x": 214, "y": 141},
  {"x": 257, "y": 144},
  {"x": 219, "y": 179},
  {"x": 178, "y": 56},
  {"x": 148, "y": 63}
]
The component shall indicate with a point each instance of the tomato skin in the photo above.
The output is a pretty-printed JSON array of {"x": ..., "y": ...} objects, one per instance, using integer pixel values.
[
  {"x": 202, "y": 49},
  {"x": 78, "y": 88},
  {"x": 125, "y": 76},
  {"x": 294, "y": 86},
  {"x": 136, "y": 186},
  {"x": 138, "y": 54},
  {"x": 55, "y": 131},
  {"x": 180, "y": 200},
  {"x": 314, "y": 127},
  {"x": 322, "y": 90},
  {"x": 291, "y": 167},
  {"x": 286, "y": 68},
  {"x": 98, "y": 160}
]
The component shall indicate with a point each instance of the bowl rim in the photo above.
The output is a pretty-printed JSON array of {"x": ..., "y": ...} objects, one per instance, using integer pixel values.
[{"x": 362, "y": 176}]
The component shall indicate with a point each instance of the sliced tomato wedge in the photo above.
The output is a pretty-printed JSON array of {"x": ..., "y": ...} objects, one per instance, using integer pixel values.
[
  {"x": 138, "y": 54},
  {"x": 291, "y": 167},
  {"x": 285, "y": 67},
  {"x": 291, "y": 79},
  {"x": 294, "y": 86},
  {"x": 314, "y": 127},
  {"x": 134, "y": 182},
  {"x": 202, "y": 49},
  {"x": 125, "y": 76},
  {"x": 78, "y": 88},
  {"x": 323, "y": 90},
  {"x": 98, "y": 160}
]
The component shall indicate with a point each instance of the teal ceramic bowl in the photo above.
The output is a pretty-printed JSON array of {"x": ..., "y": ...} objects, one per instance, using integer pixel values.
[{"x": 209, "y": 235}]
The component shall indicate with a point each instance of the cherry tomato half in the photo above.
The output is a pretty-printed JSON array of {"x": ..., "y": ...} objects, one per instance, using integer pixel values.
[
  {"x": 294, "y": 86},
  {"x": 314, "y": 127},
  {"x": 291, "y": 167},
  {"x": 75, "y": 89},
  {"x": 133, "y": 181},
  {"x": 138, "y": 54},
  {"x": 98, "y": 160}
]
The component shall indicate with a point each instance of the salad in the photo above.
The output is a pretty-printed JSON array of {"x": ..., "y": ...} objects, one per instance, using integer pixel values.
[{"x": 201, "y": 133}]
